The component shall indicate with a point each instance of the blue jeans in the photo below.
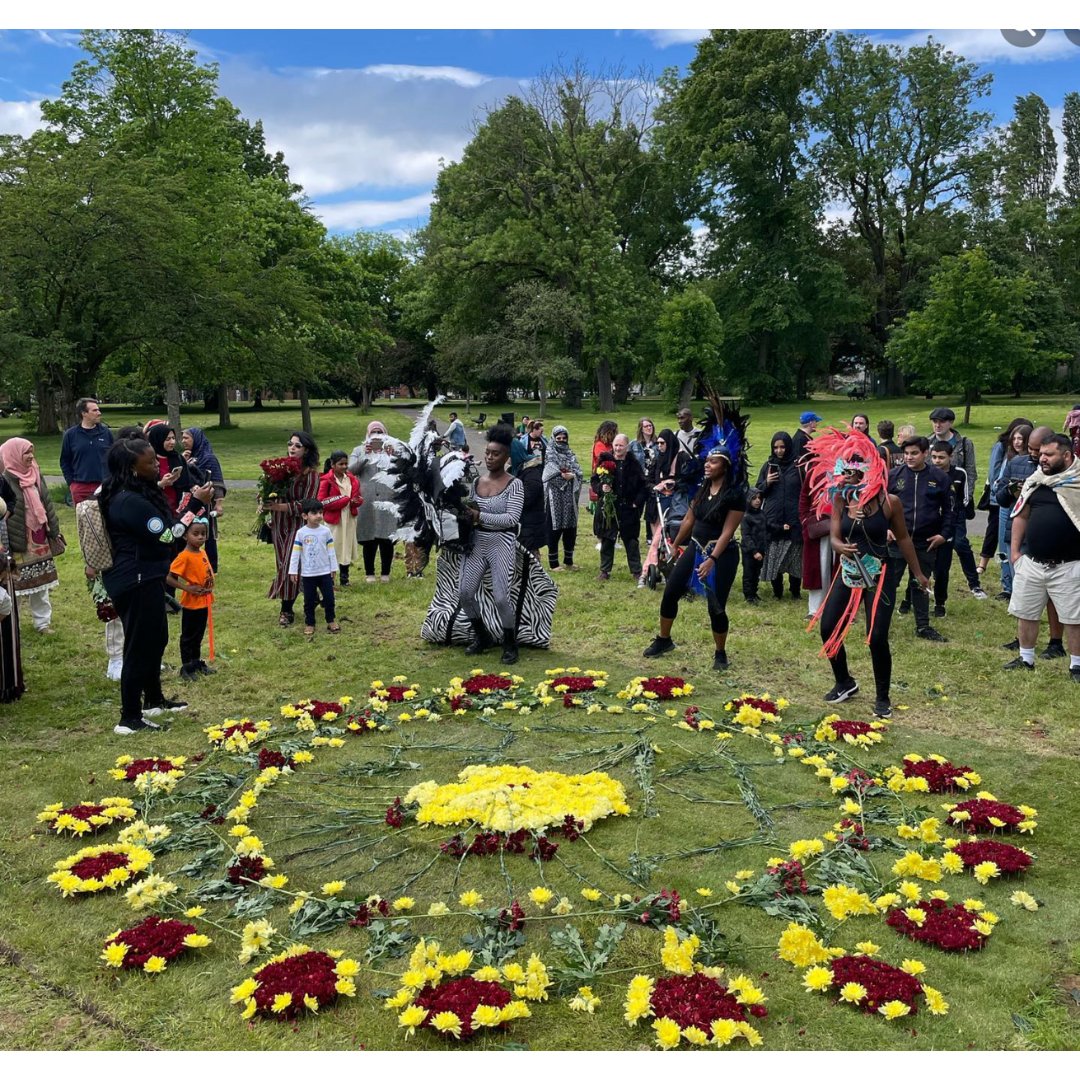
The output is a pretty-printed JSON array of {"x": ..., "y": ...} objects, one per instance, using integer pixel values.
[
  {"x": 962, "y": 547},
  {"x": 1004, "y": 545}
]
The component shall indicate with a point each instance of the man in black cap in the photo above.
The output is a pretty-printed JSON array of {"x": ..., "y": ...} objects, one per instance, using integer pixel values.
[{"x": 963, "y": 457}]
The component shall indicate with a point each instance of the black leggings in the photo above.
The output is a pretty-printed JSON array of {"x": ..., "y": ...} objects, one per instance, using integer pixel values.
[
  {"x": 990, "y": 539},
  {"x": 569, "y": 539},
  {"x": 880, "y": 655},
  {"x": 716, "y": 594},
  {"x": 385, "y": 549},
  {"x": 146, "y": 633}
]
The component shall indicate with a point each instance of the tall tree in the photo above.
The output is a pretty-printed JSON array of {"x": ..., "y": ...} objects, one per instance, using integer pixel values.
[
  {"x": 902, "y": 136},
  {"x": 1070, "y": 128},
  {"x": 689, "y": 333}
]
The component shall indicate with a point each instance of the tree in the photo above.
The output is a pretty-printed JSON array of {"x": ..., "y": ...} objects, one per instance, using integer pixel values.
[
  {"x": 1070, "y": 128},
  {"x": 902, "y": 140},
  {"x": 689, "y": 333},
  {"x": 1030, "y": 152},
  {"x": 970, "y": 333}
]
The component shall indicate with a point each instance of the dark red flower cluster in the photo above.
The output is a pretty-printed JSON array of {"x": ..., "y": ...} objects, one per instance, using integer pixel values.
[
  {"x": 247, "y": 868},
  {"x": 1009, "y": 859},
  {"x": 395, "y": 815},
  {"x": 696, "y": 1001},
  {"x": 145, "y": 765},
  {"x": 210, "y": 813},
  {"x": 477, "y": 683},
  {"x": 97, "y": 866},
  {"x": 761, "y": 704},
  {"x": 366, "y": 912},
  {"x": 83, "y": 812},
  {"x": 280, "y": 470},
  {"x": 690, "y": 717},
  {"x": 662, "y": 685},
  {"x": 853, "y": 835},
  {"x": 792, "y": 879},
  {"x": 568, "y": 702},
  {"x": 461, "y": 997},
  {"x": 854, "y": 728},
  {"x": 318, "y": 709},
  {"x": 882, "y": 982},
  {"x": 274, "y": 759},
  {"x": 106, "y": 612},
  {"x": 657, "y": 908},
  {"x": 543, "y": 850},
  {"x": 311, "y": 974},
  {"x": 860, "y": 780},
  {"x": 981, "y": 811},
  {"x": 512, "y": 918},
  {"x": 572, "y": 827},
  {"x": 573, "y": 684},
  {"x": 949, "y": 928},
  {"x": 394, "y": 694},
  {"x": 940, "y": 776},
  {"x": 153, "y": 937},
  {"x": 240, "y": 727},
  {"x": 460, "y": 702},
  {"x": 796, "y": 737}
]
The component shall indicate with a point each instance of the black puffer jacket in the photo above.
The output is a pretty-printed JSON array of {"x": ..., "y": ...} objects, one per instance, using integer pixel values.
[
  {"x": 534, "y": 523},
  {"x": 781, "y": 505}
]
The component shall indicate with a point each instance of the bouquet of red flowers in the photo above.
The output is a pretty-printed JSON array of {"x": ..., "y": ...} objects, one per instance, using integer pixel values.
[{"x": 275, "y": 476}]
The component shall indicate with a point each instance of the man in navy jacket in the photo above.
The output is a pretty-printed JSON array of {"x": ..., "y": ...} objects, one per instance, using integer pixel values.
[
  {"x": 925, "y": 494},
  {"x": 83, "y": 451}
]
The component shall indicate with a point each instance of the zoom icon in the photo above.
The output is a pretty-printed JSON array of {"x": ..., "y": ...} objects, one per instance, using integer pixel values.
[{"x": 1023, "y": 39}]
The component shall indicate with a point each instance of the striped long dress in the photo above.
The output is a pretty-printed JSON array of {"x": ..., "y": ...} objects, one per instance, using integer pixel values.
[{"x": 283, "y": 529}]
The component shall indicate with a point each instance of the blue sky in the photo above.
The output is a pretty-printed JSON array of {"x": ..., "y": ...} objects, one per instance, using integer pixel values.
[{"x": 364, "y": 116}]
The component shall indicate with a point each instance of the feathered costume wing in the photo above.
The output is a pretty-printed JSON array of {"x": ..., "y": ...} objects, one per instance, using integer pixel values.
[{"x": 729, "y": 433}]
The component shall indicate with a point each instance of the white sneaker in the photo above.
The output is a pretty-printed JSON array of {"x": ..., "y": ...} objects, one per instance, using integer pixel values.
[
  {"x": 978, "y": 594},
  {"x": 115, "y": 669}
]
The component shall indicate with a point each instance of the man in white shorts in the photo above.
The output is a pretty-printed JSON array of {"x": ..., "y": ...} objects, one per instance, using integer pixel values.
[{"x": 1046, "y": 524}]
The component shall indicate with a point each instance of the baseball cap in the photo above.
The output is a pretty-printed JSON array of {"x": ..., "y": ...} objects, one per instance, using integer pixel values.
[
  {"x": 808, "y": 416},
  {"x": 942, "y": 413}
]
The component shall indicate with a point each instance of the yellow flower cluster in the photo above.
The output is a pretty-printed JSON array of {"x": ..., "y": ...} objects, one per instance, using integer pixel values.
[
  {"x": 633, "y": 689},
  {"x": 1025, "y": 900},
  {"x": 825, "y": 732},
  {"x": 69, "y": 884},
  {"x": 151, "y": 780},
  {"x": 238, "y": 742},
  {"x": 926, "y": 832},
  {"x": 801, "y": 947},
  {"x": 254, "y": 938},
  {"x": 113, "y": 809},
  {"x": 585, "y": 1001},
  {"x": 915, "y": 865},
  {"x": 138, "y": 832},
  {"x": 510, "y": 797},
  {"x": 843, "y": 902},
  {"x": 750, "y": 718},
  {"x": 678, "y": 956},
  {"x": 147, "y": 893}
]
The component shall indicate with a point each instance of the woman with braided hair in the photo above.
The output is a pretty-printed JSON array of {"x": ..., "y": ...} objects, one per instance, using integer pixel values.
[{"x": 848, "y": 481}]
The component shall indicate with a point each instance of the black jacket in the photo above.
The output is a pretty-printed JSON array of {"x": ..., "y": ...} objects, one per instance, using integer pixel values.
[
  {"x": 142, "y": 540},
  {"x": 926, "y": 497},
  {"x": 534, "y": 522},
  {"x": 629, "y": 487},
  {"x": 781, "y": 504},
  {"x": 755, "y": 534}
]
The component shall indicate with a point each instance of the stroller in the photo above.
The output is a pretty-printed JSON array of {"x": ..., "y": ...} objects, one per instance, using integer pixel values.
[{"x": 662, "y": 554}]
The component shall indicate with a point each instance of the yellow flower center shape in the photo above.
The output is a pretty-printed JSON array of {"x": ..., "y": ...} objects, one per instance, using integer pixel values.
[{"x": 506, "y": 798}]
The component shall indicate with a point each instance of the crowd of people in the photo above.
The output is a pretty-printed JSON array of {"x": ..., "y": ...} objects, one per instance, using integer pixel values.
[{"x": 838, "y": 515}]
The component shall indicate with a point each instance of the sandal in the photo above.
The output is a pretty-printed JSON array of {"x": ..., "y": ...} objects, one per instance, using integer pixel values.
[
  {"x": 309, "y": 631},
  {"x": 285, "y": 619},
  {"x": 333, "y": 628}
]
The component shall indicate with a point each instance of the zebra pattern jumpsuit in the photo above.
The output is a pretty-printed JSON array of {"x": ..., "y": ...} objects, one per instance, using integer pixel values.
[{"x": 494, "y": 547}]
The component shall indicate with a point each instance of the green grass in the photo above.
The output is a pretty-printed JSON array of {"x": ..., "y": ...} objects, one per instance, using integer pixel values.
[
  {"x": 1021, "y": 734},
  {"x": 263, "y": 433}
]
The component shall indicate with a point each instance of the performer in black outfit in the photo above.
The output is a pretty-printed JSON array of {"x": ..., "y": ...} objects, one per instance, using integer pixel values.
[
  {"x": 710, "y": 560},
  {"x": 848, "y": 479}
]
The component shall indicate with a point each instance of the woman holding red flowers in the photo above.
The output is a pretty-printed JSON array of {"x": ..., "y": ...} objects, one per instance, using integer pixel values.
[{"x": 286, "y": 519}]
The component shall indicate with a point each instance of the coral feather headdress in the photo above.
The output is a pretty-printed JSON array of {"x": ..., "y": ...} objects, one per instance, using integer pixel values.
[{"x": 829, "y": 460}]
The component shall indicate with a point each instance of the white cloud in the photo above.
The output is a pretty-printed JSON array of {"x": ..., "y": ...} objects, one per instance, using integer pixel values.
[
  {"x": 371, "y": 213},
  {"x": 401, "y": 72},
  {"x": 20, "y": 117},
  {"x": 988, "y": 46},
  {"x": 663, "y": 39},
  {"x": 62, "y": 39}
]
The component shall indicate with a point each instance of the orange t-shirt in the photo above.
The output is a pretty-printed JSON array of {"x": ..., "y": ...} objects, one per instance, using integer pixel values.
[{"x": 194, "y": 568}]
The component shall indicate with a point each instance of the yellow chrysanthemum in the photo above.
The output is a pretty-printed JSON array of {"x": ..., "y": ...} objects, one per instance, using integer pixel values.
[
  {"x": 894, "y": 1010},
  {"x": 447, "y": 1023},
  {"x": 818, "y": 978},
  {"x": 853, "y": 992}
]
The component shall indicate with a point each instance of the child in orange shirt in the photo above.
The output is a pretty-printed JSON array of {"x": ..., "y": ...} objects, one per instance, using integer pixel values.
[{"x": 190, "y": 572}]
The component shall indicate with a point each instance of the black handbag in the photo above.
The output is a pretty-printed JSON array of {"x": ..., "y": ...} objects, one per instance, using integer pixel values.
[{"x": 984, "y": 500}]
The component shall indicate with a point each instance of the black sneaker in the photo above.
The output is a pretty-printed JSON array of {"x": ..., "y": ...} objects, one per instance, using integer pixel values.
[
  {"x": 165, "y": 705},
  {"x": 882, "y": 710},
  {"x": 205, "y": 668},
  {"x": 928, "y": 633},
  {"x": 1053, "y": 651},
  {"x": 190, "y": 674},
  {"x": 1012, "y": 646},
  {"x": 842, "y": 692},
  {"x": 659, "y": 646},
  {"x": 905, "y": 606},
  {"x": 753, "y": 599},
  {"x": 939, "y": 611},
  {"x": 1006, "y": 596},
  {"x": 130, "y": 727},
  {"x": 720, "y": 661},
  {"x": 1074, "y": 674},
  {"x": 1019, "y": 664}
]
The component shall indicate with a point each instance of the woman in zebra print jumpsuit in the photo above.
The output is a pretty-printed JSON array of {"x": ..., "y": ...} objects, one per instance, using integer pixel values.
[{"x": 495, "y": 505}]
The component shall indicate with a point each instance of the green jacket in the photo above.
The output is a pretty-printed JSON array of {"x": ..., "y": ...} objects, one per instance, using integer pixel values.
[{"x": 16, "y": 524}]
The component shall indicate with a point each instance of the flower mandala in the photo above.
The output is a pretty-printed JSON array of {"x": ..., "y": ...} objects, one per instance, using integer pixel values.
[
  {"x": 151, "y": 944},
  {"x": 87, "y": 817},
  {"x": 954, "y": 928},
  {"x": 106, "y": 866},
  {"x": 296, "y": 981}
]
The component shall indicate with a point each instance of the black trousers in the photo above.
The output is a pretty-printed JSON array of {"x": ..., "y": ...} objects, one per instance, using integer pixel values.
[
  {"x": 990, "y": 539},
  {"x": 569, "y": 539},
  {"x": 920, "y": 602},
  {"x": 385, "y": 548},
  {"x": 716, "y": 594},
  {"x": 751, "y": 574},
  {"x": 192, "y": 628},
  {"x": 629, "y": 533},
  {"x": 312, "y": 587},
  {"x": 146, "y": 633},
  {"x": 880, "y": 654}
]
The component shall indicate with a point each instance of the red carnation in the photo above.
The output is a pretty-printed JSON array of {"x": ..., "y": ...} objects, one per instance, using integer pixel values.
[{"x": 949, "y": 928}]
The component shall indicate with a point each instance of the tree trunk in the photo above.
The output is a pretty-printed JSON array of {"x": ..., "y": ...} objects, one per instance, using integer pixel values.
[
  {"x": 686, "y": 392},
  {"x": 603, "y": 385},
  {"x": 365, "y": 400},
  {"x": 967, "y": 407},
  {"x": 305, "y": 407},
  {"x": 224, "y": 417},
  {"x": 258, "y": 401},
  {"x": 210, "y": 398},
  {"x": 543, "y": 394},
  {"x": 48, "y": 422},
  {"x": 172, "y": 402}
]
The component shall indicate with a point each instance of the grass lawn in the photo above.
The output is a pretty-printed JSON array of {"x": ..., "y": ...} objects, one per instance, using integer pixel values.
[{"x": 701, "y": 808}]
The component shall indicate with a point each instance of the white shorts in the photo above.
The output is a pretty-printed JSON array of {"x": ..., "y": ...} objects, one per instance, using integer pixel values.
[{"x": 1035, "y": 582}]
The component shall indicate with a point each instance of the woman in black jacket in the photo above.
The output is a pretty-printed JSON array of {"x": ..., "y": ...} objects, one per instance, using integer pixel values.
[
  {"x": 142, "y": 530},
  {"x": 780, "y": 480},
  {"x": 620, "y": 487}
]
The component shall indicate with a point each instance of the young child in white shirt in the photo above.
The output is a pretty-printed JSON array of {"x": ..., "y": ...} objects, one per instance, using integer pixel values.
[{"x": 314, "y": 561}]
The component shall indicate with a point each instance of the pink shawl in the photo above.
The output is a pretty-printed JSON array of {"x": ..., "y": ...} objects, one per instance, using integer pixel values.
[{"x": 11, "y": 454}]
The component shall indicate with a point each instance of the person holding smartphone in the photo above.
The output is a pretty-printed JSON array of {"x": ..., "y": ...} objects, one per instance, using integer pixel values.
[
  {"x": 780, "y": 481},
  {"x": 376, "y": 520}
]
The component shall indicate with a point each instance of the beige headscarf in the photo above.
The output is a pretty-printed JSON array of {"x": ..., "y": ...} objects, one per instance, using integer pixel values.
[{"x": 1065, "y": 485}]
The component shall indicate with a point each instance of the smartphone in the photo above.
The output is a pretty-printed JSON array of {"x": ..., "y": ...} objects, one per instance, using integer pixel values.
[{"x": 174, "y": 473}]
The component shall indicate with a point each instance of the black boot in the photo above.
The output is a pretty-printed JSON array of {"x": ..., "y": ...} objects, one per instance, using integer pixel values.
[
  {"x": 510, "y": 652},
  {"x": 481, "y": 638}
]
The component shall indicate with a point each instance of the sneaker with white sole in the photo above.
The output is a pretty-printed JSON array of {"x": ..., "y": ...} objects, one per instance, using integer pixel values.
[
  {"x": 130, "y": 727},
  {"x": 882, "y": 710},
  {"x": 842, "y": 692},
  {"x": 165, "y": 705},
  {"x": 979, "y": 594}
]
